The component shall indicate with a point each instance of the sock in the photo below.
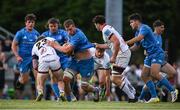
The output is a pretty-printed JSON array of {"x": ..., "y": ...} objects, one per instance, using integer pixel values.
[
  {"x": 126, "y": 89},
  {"x": 143, "y": 93},
  {"x": 151, "y": 88},
  {"x": 133, "y": 90},
  {"x": 55, "y": 89},
  {"x": 68, "y": 97},
  {"x": 166, "y": 83}
]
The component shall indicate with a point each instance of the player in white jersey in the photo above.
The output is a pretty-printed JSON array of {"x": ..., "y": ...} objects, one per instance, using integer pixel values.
[
  {"x": 120, "y": 54},
  {"x": 102, "y": 69},
  {"x": 44, "y": 60}
]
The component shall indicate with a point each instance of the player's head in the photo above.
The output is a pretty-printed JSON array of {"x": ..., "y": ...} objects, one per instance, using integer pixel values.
[
  {"x": 135, "y": 19},
  {"x": 30, "y": 21},
  {"x": 70, "y": 27},
  {"x": 158, "y": 26},
  {"x": 40, "y": 38},
  {"x": 99, "y": 52},
  {"x": 98, "y": 21},
  {"x": 53, "y": 24}
]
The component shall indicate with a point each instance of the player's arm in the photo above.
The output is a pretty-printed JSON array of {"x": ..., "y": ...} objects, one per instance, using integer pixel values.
[
  {"x": 134, "y": 47},
  {"x": 35, "y": 62},
  {"x": 116, "y": 47},
  {"x": 14, "y": 48},
  {"x": 135, "y": 39},
  {"x": 65, "y": 48},
  {"x": 34, "y": 58}
]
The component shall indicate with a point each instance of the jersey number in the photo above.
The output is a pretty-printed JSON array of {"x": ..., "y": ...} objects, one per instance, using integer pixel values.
[{"x": 41, "y": 43}]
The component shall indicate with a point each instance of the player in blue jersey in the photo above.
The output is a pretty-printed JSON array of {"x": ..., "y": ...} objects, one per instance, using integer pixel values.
[
  {"x": 166, "y": 67},
  {"x": 61, "y": 37},
  {"x": 154, "y": 59},
  {"x": 82, "y": 61},
  {"x": 22, "y": 46}
]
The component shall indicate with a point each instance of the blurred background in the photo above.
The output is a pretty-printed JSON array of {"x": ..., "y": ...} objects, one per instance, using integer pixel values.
[{"x": 12, "y": 13}]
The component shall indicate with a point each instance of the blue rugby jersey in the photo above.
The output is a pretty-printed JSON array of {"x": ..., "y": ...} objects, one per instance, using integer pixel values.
[{"x": 26, "y": 40}]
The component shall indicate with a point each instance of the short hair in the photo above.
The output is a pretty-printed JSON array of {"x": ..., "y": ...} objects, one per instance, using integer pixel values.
[
  {"x": 53, "y": 21},
  {"x": 100, "y": 19},
  {"x": 30, "y": 16},
  {"x": 100, "y": 49},
  {"x": 68, "y": 22},
  {"x": 135, "y": 16},
  {"x": 40, "y": 38},
  {"x": 157, "y": 23}
]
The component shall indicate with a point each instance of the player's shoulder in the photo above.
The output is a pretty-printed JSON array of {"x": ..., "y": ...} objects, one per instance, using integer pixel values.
[{"x": 50, "y": 38}]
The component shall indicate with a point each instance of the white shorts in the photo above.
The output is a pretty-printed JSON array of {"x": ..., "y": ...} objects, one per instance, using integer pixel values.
[
  {"x": 50, "y": 62},
  {"x": 122, "y": 60}
]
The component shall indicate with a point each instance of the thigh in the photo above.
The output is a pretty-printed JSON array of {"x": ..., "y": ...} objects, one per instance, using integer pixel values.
[
  {"x": 145, "y": 74},
  {"x": 123, "y": 59},
  {"x": 101, "y": 75},
  {"x": 168, "y": 69},
  {"x": 86, "y": 68},
  {"x": 25, "y": 66},
  {"x": 155, "y": 69}
]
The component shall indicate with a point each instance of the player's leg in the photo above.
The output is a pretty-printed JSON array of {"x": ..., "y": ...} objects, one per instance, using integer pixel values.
[
  {"x": 108, "y": 72},
  {"x": 24, "y": 67},
  {"x": 86, "y": 71},
  {"x": 169, "y": 70},
  {"x": 43, "y": 70},
  {"x": 122, "y": 62},
  {"x": 56, "y": 77},
  {"x": 157, "y": 61},
  {"x": 102, "y": 81},
  {"x": 41, "y": 77}
]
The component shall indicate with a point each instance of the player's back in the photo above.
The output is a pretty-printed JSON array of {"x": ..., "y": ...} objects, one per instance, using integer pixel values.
[{"x": 42, "y": 49}]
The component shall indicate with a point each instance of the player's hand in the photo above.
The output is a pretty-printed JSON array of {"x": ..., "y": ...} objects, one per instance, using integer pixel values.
[
  {"x": 65, "y": 44},
  {"x": 19, "y": 59},
  {"x": 51, "y": 43},
  {"x": 112, "y": 60}
]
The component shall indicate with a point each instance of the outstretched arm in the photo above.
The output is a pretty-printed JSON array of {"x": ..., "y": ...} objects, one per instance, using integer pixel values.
[
  {"x": 134, "y": 40},
  {"x": 65, "y": 48}
]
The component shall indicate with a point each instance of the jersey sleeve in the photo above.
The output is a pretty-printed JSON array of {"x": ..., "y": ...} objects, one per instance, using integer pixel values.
[
  {"x": 143, "y": 31},
  {"x": 108, "y": 33},
  {"x": 17, "y": 37},
  {"x": 33, "y": 52},
  {"x": 75, "y": 40},
  {"x": 66, "y": 36}
]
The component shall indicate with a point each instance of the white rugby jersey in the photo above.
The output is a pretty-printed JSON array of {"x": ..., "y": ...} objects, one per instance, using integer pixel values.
[
  {"x": 107, "y": 32},
  {"x": 41, "y": 49},
  {"x": 100, "y": 63}
]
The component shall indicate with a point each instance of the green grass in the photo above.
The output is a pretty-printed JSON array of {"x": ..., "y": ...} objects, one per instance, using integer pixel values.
[{"x": 84, "y": 105}]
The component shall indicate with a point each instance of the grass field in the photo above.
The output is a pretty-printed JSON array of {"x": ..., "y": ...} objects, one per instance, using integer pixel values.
[{"x": 84, "y": 105}]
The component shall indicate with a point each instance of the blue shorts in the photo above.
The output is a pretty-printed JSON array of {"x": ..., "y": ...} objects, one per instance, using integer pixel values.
[
  {"x": 84, "y": 67},
  {"x": 158, "y": 58},
  {"x": 25, "y": 66},
  {"x": 64, "y": 62}
]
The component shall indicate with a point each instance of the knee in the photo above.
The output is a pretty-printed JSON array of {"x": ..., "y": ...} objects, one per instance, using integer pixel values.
[
  {"x": 101, "y": 83},
  {"x": 172, "y": 74},
  {"x": 67, "y": 77},
  {"x": 84, "y": 85}
]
